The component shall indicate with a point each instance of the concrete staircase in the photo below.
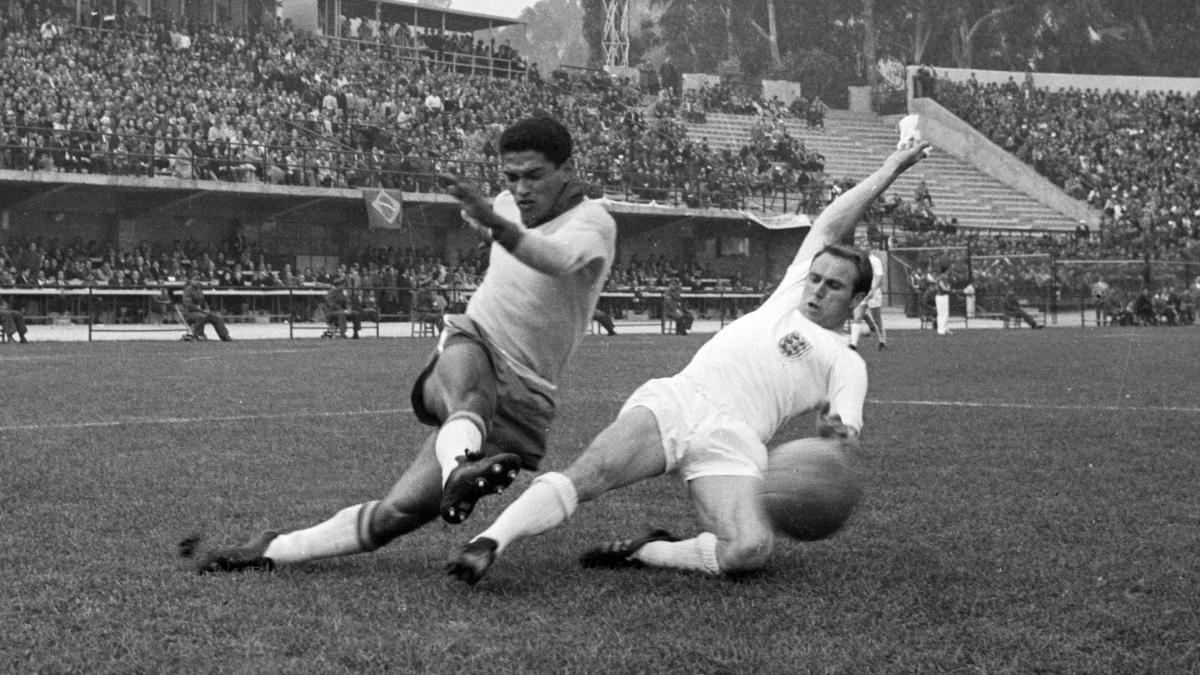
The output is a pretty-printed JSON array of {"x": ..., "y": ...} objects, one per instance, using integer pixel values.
[{"x": 854, "y": 145}]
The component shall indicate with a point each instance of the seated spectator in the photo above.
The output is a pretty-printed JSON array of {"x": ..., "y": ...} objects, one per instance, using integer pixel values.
[
  {"x": 429, "y": 306},
  {"x": 605, "y": 320},
  {"x": 1014, "y": 311},
  {"x": 12, "y": 321},
  {"x": 1143, "y": 308},
  {"x": 197, "y": 313},
  {"x": 674, "y": 310},
  {"x": 338, "y": 311}
]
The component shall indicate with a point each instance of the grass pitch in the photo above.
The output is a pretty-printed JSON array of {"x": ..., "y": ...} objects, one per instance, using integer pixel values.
[{"x": 1031, "y": 506}]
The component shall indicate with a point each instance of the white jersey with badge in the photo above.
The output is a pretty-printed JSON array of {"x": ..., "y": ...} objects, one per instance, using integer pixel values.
[
  {"x": 773, "y": 364},
  {"x": 535, "y": 319}
]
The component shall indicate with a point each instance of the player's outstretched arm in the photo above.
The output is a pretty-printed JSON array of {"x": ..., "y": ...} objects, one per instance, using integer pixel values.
[
  {"x": 840, "y": 217},
  {"x": 547, "y": 255}
]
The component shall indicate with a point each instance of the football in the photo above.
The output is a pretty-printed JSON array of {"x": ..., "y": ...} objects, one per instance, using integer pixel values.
[{"x": 810, "y": 488}]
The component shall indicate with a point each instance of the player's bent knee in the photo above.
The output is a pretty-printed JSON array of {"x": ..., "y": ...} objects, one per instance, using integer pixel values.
[{"x": 746, "y": 554}]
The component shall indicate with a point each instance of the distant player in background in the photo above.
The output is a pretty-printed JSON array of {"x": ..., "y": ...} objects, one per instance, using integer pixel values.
[
  {"x": 710, "y": 423},
  {"x": 871, "y": 309},
  {"x": 490, "y": 386},
  {"x": 941, "y": 300}
]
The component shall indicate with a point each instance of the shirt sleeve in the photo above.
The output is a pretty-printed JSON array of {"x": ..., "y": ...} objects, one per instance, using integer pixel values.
[{"x": 848, "y": 390}]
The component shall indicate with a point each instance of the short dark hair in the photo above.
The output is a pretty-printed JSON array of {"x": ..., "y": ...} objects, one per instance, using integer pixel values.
[
  {"x": 540, "y": 134},
  {"x": 865, "y": 274}
]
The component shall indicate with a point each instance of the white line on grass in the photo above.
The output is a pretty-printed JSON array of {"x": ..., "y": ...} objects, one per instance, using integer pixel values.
[
  {"x": 197, "y": 420},
  {"x": 1039, "y": 406}
]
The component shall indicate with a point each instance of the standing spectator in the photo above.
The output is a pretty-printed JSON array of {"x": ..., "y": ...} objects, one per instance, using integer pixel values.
[
  {"x": 815, "y": 115},
  {"x": 969, "y": 296},
  {"x": 670, "y": 78}
]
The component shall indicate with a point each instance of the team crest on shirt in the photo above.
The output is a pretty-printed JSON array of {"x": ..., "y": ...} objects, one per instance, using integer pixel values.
[{"x": 793, "y": 345}]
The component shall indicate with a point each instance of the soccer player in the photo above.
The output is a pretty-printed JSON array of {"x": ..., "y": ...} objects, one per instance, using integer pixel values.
[
  {"x": 490, "y": 385},
  {"x": 709, "y": 423},
  {"x": 870, "y": 310}
]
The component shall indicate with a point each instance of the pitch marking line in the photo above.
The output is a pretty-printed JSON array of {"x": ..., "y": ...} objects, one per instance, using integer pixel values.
[
  {"x": 1040, "y": 406},
  {"x": 196, "y": 420}
]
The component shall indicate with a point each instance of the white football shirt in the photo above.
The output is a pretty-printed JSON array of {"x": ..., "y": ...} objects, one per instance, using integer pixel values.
[{"x": 773, "y": 364}]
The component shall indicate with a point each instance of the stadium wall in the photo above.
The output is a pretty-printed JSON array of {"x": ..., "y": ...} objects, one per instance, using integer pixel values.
[
  {"x": 1060, "y": 81},
  {"x": 960, "y": 139}
]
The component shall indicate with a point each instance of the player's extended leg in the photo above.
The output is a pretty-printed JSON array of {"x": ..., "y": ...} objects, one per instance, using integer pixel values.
[
  {"x": 729, "y": 508},
  {"x": 874, "y": 317},
  {"x": 736, "y": 537},
  {"x": 460, "y": 390},
  {"x": 411, "y": 503},
  {"x": 628, "y": 451},
  {"x": 856, "y": 325}
]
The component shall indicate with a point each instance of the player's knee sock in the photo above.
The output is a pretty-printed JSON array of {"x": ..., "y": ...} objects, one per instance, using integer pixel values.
[
  {"x": 855, "y": 331},
  {"x": 698, "y": 554},
  {"x": 548, "y": 503},
  {"x": 461, "y": 434},
  {"x": 345, "y": 533}
]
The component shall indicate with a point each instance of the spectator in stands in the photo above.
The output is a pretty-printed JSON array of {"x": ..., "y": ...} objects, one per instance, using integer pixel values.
[
  {"x": 815, "y": 114},
  {"x": 12, "y": 321},
  {"x": 429, "y": 306},
  {"x": 605, "y": 320},
  {"x": 1143, "y": 308},
  {"x": 337, "y": 309},
  {"x": 197, "y": 312},
  {"x": 1014, "y": 311},
  {"x": 674, "y": 310}
]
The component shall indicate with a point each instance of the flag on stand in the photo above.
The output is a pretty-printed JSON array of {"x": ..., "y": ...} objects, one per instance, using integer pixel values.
[{"x": 384, "y": 209}]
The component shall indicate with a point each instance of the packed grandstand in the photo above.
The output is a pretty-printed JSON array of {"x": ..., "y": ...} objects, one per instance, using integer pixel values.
[{"x": 388, "y": 107}]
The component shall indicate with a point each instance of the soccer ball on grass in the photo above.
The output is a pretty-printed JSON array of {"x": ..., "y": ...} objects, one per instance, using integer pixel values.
[{"x": 810, "y": 488}]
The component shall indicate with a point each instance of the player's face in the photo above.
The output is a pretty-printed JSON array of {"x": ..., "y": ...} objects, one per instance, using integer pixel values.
[
  {"x": 829, "y": 295},
  {"x": 535, "y": 182}
]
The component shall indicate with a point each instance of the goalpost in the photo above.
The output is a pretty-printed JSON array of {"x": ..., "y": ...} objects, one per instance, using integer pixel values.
[
  {"x": 910, "y": 282},
  {"x": 1029, "y": 276}
]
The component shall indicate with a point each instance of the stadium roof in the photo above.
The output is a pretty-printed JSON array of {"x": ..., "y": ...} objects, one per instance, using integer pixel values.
[{"x": 425, "y": 16}]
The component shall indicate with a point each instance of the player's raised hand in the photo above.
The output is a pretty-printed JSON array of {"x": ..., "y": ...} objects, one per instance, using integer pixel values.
[
  {"x": 476, "y": 211},
  {"x": 467, "y": 194},
  {"x": 909, "y": 154}
]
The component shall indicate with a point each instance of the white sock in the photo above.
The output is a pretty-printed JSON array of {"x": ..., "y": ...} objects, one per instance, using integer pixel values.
[
  {"x": 855, "y": 332},
  {"x": 461, "y": 434},
  {"x": 698, "y": 554},
  {"x": 547, "y": 503},
  {"x": 345, "y": 533}
]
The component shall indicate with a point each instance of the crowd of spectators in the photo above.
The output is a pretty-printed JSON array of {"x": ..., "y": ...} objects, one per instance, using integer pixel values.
[
  {"x": 167, "y": 97},
  {"x": 1131, "y": 156},
  {"x": 30, "y": 263},
  {"x": 1053, "y": 270}
]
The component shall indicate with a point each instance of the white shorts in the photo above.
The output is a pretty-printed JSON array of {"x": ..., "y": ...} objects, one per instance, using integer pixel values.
[{"x": 699, "y": 439}]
